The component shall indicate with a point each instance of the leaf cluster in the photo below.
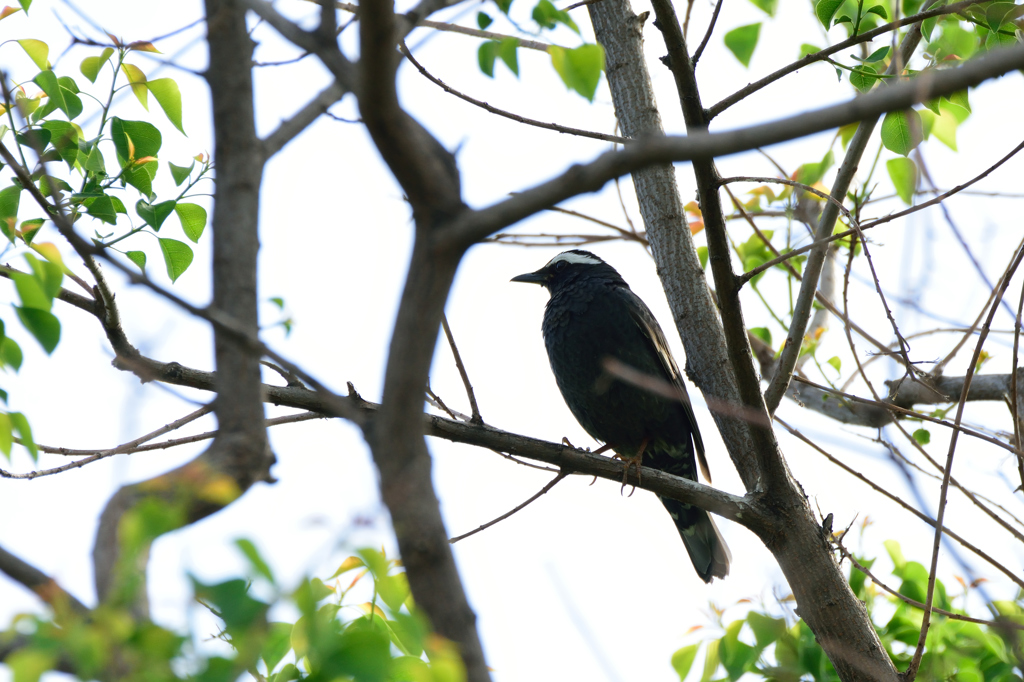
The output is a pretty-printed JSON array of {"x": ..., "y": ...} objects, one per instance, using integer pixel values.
[{"x": 773, "y": 648}]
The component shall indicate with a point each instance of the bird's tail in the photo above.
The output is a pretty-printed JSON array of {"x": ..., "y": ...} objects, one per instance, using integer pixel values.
[{"x": 704, "y": 543}]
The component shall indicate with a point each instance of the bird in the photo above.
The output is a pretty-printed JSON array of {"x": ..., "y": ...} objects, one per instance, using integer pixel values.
[{"x": 591, "y": 317}]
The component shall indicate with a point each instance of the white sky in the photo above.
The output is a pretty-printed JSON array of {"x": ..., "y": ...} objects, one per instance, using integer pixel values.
[{"x": 585, "y": 583}]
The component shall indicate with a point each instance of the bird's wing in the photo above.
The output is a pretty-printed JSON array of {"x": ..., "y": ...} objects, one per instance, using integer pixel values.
[{"x": 644, "y": 319}]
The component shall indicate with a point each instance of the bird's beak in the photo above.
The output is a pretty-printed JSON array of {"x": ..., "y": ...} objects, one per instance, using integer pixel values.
[{"x": 540, "y": 277}]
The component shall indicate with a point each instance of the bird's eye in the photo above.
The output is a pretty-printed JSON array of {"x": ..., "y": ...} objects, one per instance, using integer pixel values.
[{"x": 560, "y": 265}]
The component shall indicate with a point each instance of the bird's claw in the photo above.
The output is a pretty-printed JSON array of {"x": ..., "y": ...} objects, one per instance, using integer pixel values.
[{"x": 629, "y": 462}]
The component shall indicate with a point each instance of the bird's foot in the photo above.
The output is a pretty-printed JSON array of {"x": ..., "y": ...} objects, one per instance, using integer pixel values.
[{"x": 628, "y": 462}]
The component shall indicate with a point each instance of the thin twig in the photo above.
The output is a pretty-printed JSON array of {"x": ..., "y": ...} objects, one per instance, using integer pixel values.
[
  {"x": 549, "y": 486},
  {"x": 476, "y": 418},
  {"x": 507, "y": 114},
  {"x": 707, "y": 34},
  {"x": 625, "y": 234}
]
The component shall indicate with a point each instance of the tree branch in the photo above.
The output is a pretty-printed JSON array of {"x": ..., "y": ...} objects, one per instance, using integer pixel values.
[
  {"x": 45, "y": 587},
  {"x": 287, "y": 130}
]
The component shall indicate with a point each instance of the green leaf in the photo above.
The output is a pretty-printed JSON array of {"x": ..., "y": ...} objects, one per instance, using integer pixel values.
[
  {"x": 825, "y": 10},
  {"x": 765, "y": 628},
  {"x": 878, "y": 55},
  {"x": 141, "y": 177},
  {"x": 864, "y": 77},
  {"x": 63, "y": 92},
  {"x": 154, "y": 214},
  {"x": 93, "y": 160},
  {"x": 24, "y": 431},
  {"x": 38, "y": 51},
  {"x": 503, "y": 5},
  {"x": 31, "y": 292},
  {"x": 836, "y": 363},
  {"x": 485, "y": 57},
  {"x": 742, "y": 41},
  {"x": 144, "y": 137},
  {"x": 25, "y": 4},
  {"x": 180, "y": 173},
  {"x": 922, "y": 436},
  {"x": 102, "y": 208},
  {"x": 998, "y": 13},
  {"x": 64, "y": 138},
  {"x": 762, "y": 333},
  {"x": 702, "y": 256},
  {"x": 507, "y": 52},
  {"x": 10, "y": 353},
  {"x": 903, "y": 173},
  {"x": 91, "y": 66},
  {"x": 879, "y": 11},
  {"x": 139, "y": 258},
  {"x": 234, "y": 605},
  {"x": 682, "y": 660},
  {"x": 42, "y": 325},
  {"x": 579, "y": 68},
  {"x": 137, "y": 79},
  {"x": 28, "y": 664},
  {"x": 957, "y": 104},
  {"x": 10, "y": 197},
  {"x": 168, "y": 96},
  {"x": 6, "y": 435},
  {"x": 548, "y": 16},
  {"x": 846, "y": 133},
  {"x": 277, "y": 644},
  {"x": 255, "y": 560},
  {"x": 483, "y": 20},
  {"x": 896, "y": 554},
  {"x": 49, "y": 275},
  {"x": 193, "y": 220},
  {"x": 177, "y": 256},
  {"x": 901, "y": 131},
  {"x": 807, "y": 48},
  {"x": 767, "y": 6}
]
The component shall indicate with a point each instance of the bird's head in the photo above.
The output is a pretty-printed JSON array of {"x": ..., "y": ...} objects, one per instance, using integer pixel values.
[{"x": 569, "y": 266}]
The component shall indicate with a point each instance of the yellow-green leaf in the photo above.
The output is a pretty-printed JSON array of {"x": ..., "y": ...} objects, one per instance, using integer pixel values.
[
  {"x": 903, "y": 173},
  {"x": 38, "y": 51},
  {"x": 90, "y": 66},
  {"x": 168, "y": 96},
  {"x": 138, "y": 82},
  {"x": 6, "y": 435},
  {"x": 580, "y": 68}
]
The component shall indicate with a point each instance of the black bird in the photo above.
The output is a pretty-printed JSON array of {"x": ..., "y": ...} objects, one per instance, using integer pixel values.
[{"x": 593, "y": 315}]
